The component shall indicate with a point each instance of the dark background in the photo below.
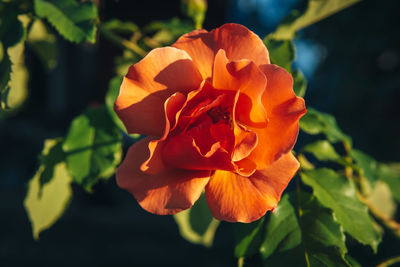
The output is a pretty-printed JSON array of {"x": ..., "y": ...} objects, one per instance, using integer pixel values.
[{"x": 351, "y": 61}]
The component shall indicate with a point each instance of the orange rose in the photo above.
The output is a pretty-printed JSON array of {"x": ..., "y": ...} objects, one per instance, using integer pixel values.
[{"x": 219, "y": 117}]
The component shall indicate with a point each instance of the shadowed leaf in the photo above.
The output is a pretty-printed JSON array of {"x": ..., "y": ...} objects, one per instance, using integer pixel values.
[
  {"x": 197, "y": 224},
  {"x": 248, "y": 237},
  {"x": 46, "y": 202}
]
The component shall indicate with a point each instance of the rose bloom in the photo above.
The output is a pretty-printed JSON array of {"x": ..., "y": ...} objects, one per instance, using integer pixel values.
[{"x": 218, "y": 117}]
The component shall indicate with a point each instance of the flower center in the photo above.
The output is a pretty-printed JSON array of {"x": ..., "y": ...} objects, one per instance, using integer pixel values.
[{"x": 220, "y": 113}]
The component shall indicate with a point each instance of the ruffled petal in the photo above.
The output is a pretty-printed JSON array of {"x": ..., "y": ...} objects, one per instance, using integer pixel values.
[
  {"x": 284, "y": 111},
  {"x": 245, "y": 142},
  {"x": 199, "y": 44},
  {"x": 240, "y": 43},
  {"x": 149, "y": 83},
  {"x": 234, "y": 198},
  {"x": 249, "y": 108},
  {"x": 246, "y": 77},
  {"x": 167, "y": 192},
  {"x": 221, "y": 78},
  {"x": 279, "y": 87},
  {"x": 172, "y": 108},
  {"x": 182, "y": 152},
  {"x": 237, "y": 41},
  {"x": 245, "y": 167}
]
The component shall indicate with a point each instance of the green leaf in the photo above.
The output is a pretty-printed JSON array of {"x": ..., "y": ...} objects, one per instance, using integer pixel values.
[
  {"x": 316, "y": 11},
  {"x": 19, "y": 76},
  {"x": 46, "y": 202},
  {"x": 282, "y": 230},
  {"x": 123, "y": 62},
  {"x": 167, "y": 32},
  {"x": 303, "y": 233},
  {"x": 353, "y": 262},
  {"x": 322, "y": 150},
  {"x": 197, "y": 225},
  {"x": 392, "y": 179},
  {"x": 72, "y": 19},
  {"x": 120, "y": 26},
  {"x": 92, "y": 147},
  {"x": 316, "y": 122},
  {"x": 248, "y": 237},
  {"x": 338, "y": 193},
  {"x": 51, "y": 156},
  {"x": 43, "y": 44},
  {"x": 5, "y": 72},
  {"x": 281, "y": 52},
  {"x": 111, "y": 96},
  {"x": 381, "y": 198},
  {"x": 14, "y": 81},
  {"x": 368, "y": 166},
  {"x": 12, "y": 32},
  {"x": 11, "y": 29},
  {"x": 299, "y": 83}
]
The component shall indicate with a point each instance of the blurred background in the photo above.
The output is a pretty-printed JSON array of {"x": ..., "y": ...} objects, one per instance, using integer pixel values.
[{"x": 351, "y": 61}]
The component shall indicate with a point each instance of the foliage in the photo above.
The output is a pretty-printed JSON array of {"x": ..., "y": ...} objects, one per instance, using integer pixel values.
[
  {"x": 312, "y": 236},
  {"x": 92, "y": 147},
  {"x": 197, "y": 225},
  {"x": 341, "y": 194},
  {"x": 49, "y": 190},
  {"x": 12, "y": 33},
  {"x": 315, "y": 11},
  {"x": 73, "y": 20}
]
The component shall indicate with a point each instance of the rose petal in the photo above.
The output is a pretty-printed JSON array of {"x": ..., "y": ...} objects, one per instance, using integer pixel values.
[
  {"x": 200, "y": 132},
  {"x": 167, "y": 192},
  {"x": 243, "y": 76},
  {"x": 199, "y": 102},
  {"x": 222, "y": 133},
  {"x": 181, "y": 151},
  {"x": 235, "y": 198},
  {"x": 172, "y": 108},
  {"x": 245, "y": 167},
  {"x": 249, "y": 109},
  {"x": 241, "y": 43},
  {"x": 221, "y": 78},
  {"x": 245, "y": 142},
  {"x": 279, "y": 87},
  {"x": 284, "y": 110},
  {"x": 199, "y": 44},
  {"x": 237, "y": 41},
  {"x": 149, "y": 83}
]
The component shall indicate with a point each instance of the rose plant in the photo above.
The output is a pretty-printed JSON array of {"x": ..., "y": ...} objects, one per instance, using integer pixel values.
[{"x": 216, "y": 116}]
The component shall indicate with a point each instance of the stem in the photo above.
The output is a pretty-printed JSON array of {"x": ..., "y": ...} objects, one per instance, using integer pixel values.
[
  {"x": 123, "y": 43},
  {"x": 386, "y": 220},
  {"x": 389, "y": 262},
  {"x": 298, "y": 192},
  {"x": 300, "y": 213},
  {"x": 240, "y": 262}
]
